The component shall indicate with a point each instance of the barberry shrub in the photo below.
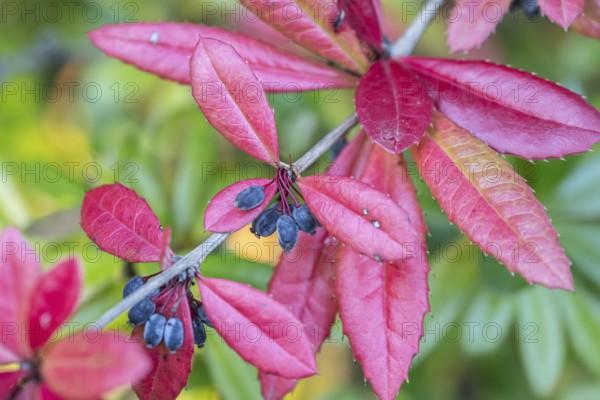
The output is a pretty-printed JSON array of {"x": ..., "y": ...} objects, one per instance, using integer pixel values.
[{"x": 362, "y": 215}]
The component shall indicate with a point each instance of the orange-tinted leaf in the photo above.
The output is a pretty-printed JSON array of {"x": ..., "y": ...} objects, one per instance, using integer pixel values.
[
  {"x": 491, "y": 203},
  {"x": 310, "y": 24},
  {"x": 262, "y": 331},
  {"x": 56, "y": 295},
  {"x": 78, "y": 367},
  {"x": 122, "y": 223}
]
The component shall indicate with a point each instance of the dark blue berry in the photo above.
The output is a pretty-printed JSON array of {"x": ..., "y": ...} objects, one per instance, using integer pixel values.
[
  {"x": 266, "y": 223},
  {"x": 154, "y": 330},
  {"x": 174, "y": 334},
  {"x": 203, "y": 316},
  {"x": 338, "y": 20},
  {"x": 249, "y": 198},
  {"x": 140, "y": 313},
  {"x": 287, "y": 232},
  {"x": 530, "y": 7},
  {"x": 199, "y": 332},
  {"x": 133, "y": 285},
  {"x": 337, "y": 147},
  {"x": 305, "y": 219}
]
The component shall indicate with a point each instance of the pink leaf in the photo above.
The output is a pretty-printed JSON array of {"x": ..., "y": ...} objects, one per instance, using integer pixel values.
[
  {"x": 56, "y": 295},
  {"x": 20, "y": 270},
  {"x": 365, "y": 18},
  {"x": 472, "y": 21},
  {"x": 393, "y": 106},
  {"x": 262, "y": 331},
  {"x": 351, "y": 155},
  {"x": 588, "y": 23},
  {"x": 563, "y": 12},
  {"x": 122, "y": 223},
  {"x": 363, "y": 217},
  {"x": 222, "y": 216},
  {"x": 382, "y": 309},
  {"x": 304, "y": 281},
  {"x": 310, "y": 24},
  {"x": 82, "y": 368},
  {"x": 512, "y": 111},
  {"x": 8, "y": 383},
  {"x": 491, "y": 203},
  {"x": 164, "y": 49},
  {"x": 169, "y": 372},
  {"x": 233, "y": 100}
]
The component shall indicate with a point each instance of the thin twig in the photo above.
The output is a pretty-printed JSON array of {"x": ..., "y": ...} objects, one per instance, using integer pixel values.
[
  {"x": 403, "y": 46},
  {"x": 409, "y": 39}
]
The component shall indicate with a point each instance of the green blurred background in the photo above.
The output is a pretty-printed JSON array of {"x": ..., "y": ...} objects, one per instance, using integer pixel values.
[{"x": 72, "y": 119}]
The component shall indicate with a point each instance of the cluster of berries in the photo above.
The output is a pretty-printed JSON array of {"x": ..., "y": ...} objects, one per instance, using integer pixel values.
[
  {"x": 157, "y": 328},
  {"x": 284, "y": 217}
]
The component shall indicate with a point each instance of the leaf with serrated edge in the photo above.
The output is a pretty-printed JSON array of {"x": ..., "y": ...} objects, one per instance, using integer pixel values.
[
  {"x": 512, "y": 111},
  {"x": 222, "y": 216},
  {"x": 164, "y": 49},
  {"x": 304, "y": 281},
  {"x": 262, "y": 331},
  {"x": 382, "y": 310},
  {"x": 121, "y": 223},
  {"x": 392, "y": 105},
  {"x": 562, "y": 12},
  {"x": 360, "y": 216},
  {"x": 491, "y": 203},
  {"x": 232, "y": 99},
  {"x": 470, "y": 25},
  {"x": 310, "y": 24}
]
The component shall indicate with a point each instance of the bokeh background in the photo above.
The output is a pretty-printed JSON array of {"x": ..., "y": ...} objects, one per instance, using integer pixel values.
[{"x": 72, "y": 119}]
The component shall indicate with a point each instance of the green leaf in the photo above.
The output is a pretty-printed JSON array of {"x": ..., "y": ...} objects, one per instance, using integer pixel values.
[
  {"x": 581, "y": 243},
  {"x": 233, "y": 377},
  {"x": 576, "y": 194},
  {"x": 488, "y": 318},
  {"x": 540, "y": 338}
]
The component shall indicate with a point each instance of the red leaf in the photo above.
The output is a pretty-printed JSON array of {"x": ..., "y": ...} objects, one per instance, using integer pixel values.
[
  {"x": 20, "y": 271},
  {"x": 222, "y": 216},
  {"x": 393, "y": 106},
  {"x": 262, "y": 331},
  {"x": 169, "y": 372},
  {"x": 491, "y": 203},
  {"x": 56, "y": 295},
  {"x": 310, "y": 24},
  {"x": 83, "y": 368},
  {"x": 164, "y": 49},
  {"x": 122, "y": 223},
  {"x": 166, "y": 254},
  {"x": 472, "y": 21},
  {"x": 363, "y": 217},
  {"x": 563, "y": 12},
  {"x": 232, "y": 99},
  {"x": 382, "y": 310},
  {"x": 512, "y": 111},
  {"x": 365, "y": 18},
  {"x": 304, "y": 281}
]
